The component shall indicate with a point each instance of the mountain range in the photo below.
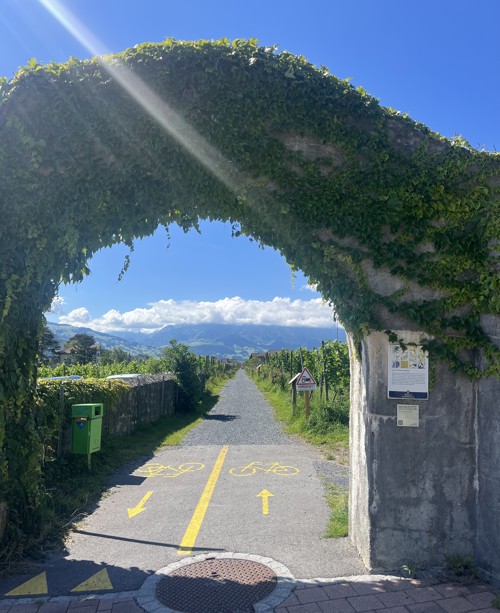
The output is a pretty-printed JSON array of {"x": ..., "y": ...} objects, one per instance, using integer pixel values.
[
  {"x": 220, "y": 340},
  {"x": 64, "y": 332}
]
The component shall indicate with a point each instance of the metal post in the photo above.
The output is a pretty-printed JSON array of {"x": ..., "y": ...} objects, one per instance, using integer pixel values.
[{"x": 61, "y": 426}]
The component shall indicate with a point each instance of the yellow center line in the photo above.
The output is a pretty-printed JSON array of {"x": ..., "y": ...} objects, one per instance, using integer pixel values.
[{"x": 189, "y": 539}]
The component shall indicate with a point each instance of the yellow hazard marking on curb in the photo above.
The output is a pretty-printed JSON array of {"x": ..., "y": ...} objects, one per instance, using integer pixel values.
[
  {"x": 99, "y": 581},
  {"x": 35, "y": 586},
  {"x": 265, "y": 501},
  {"x": 189, "y": 539},
  {"x": 139, "y": 508}
]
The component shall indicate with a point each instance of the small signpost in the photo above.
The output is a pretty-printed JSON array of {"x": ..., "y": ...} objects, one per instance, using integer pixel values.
[{"x": 306, "y": 383}]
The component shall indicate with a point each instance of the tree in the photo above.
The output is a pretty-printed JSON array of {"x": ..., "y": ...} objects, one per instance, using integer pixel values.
[
  {"x": 180, "y": 360},
  {"x": 48, "y": 345},
  {"x": 83, "y": 347},
  {"x": 117, "y": 354}
]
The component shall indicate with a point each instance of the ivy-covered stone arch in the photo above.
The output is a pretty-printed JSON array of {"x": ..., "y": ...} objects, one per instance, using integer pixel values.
[{"x": 397, "y": 225}]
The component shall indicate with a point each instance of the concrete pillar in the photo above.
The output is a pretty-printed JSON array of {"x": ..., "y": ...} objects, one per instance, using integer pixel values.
[
  {"x": 488, "y": 465},
  {"x": 413, "y": 491}
]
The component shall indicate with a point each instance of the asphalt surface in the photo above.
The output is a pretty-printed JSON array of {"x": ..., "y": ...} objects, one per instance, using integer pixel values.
[{"x": 236, "y": 484}]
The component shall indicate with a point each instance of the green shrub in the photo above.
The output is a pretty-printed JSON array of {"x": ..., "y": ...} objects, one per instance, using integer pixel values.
[
  {"x": 180, "y": 360},
  {"x": 325, "y": 417}
]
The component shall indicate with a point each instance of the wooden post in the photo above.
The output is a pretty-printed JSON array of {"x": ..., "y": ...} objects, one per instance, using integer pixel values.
[{"x": 307, "y": 396}]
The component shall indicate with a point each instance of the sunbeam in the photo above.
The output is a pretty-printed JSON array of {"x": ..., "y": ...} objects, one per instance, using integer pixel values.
[{"x": 169, "y": 119}]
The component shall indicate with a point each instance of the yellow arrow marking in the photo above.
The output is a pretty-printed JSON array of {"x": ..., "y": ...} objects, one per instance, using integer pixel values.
[
  {"x": 37, "y": 585},
  {"x": 99, "y": 581},
  {"x": 139, "y": 508},
  {"x": 189, "y": 538},
  {"x": 265, "y": 501}
]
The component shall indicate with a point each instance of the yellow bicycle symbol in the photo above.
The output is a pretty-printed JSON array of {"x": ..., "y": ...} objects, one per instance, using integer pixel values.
[
  {"x": 270, "y": 467},
  {"x": 153, "y": 469}
]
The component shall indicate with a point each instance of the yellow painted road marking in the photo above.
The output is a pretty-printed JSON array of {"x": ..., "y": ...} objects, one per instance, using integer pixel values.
[
  {"x": 35, "y": 586},
  {"x": 189, "y": 539},
  {"x": 153, "y": 469},
  {"x": 99, "y": 581},
  {"x": 268, "y": 467},
  {"x": 265, "y": 501},
  {"x": 139, "y": 508}
]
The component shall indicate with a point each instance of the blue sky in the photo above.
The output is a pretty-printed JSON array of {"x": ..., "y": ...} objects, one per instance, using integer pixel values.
[{"x": 437, "y": 61}]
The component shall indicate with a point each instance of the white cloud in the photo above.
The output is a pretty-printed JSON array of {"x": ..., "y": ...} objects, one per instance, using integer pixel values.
[
  {"x": 57, "y": 305},
  {"x": 77, "y": 317},
  {"x": 312, "y": 313}
]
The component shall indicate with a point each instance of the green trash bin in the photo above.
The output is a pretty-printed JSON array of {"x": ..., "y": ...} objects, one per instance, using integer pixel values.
[{"x": 86, "y": 428}]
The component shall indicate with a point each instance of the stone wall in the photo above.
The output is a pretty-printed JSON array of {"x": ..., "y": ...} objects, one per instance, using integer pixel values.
[
  {"x": 149, "y": 398},
  {"x": 419, "y": 494}
]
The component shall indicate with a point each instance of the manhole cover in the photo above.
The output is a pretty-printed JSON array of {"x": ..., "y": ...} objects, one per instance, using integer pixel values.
[{"x": 216, "y": 586}]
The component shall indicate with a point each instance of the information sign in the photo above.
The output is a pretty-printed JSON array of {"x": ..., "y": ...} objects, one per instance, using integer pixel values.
[{"x": 408, "y": 372}]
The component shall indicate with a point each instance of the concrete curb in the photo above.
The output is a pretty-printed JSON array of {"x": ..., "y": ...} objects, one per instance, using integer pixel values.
[{"x": 348, "y": 579}]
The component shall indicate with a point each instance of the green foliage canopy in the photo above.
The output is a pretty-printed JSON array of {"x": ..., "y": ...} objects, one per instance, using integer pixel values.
[{"x": 291, "y": 155}]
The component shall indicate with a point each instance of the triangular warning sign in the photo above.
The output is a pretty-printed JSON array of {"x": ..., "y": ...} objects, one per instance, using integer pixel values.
[
  {"x": 99, "y": 581},
  {"x": 305, "y": 381},
  {"x": 33, "y": 587}
]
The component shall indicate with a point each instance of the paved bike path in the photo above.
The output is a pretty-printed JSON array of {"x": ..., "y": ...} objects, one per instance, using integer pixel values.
[{"x": 113, "y": 551}]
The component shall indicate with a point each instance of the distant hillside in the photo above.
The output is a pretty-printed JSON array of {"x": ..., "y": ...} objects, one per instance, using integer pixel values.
[
  {"x": 220, "y": 340},
  {"x": 63, "y": 333}
]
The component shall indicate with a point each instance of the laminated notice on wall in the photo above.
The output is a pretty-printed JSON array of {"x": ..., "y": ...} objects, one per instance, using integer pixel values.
[
  {"x": 408, "y": 415},
  {"x": 408, "y": 372}
]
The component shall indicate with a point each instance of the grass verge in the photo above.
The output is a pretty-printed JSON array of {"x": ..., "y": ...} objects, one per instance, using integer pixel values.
[{"x": 338, "y": 499}]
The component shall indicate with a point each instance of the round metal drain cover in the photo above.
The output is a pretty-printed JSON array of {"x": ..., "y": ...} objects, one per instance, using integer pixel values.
[{"x": 216, "y": 586}]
